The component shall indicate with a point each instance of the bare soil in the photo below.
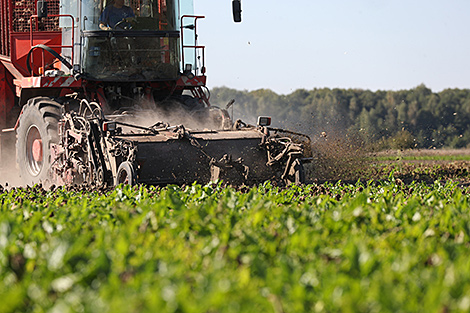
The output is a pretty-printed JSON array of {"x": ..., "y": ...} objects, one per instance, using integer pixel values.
[{"x": 353, "y": 164}]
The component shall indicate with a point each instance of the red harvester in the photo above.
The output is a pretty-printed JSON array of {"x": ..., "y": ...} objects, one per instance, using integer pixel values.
[{"x": 85, "y": 102}]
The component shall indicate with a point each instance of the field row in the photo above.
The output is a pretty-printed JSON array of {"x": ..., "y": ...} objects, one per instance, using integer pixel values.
[{"x": 364, "y": 247}]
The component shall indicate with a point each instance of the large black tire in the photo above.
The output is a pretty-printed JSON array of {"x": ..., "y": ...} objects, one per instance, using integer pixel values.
[{"x": 37, "y": 127}]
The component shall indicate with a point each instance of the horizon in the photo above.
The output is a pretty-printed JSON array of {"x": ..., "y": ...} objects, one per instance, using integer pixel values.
[{"x": 333, "y": 88}]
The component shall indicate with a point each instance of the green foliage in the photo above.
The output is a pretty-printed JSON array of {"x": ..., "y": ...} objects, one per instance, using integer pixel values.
[
  {"x": 402, "y": 140},
  {"x": 435, "y": 120},
  {"x": 364, "y": 247}
]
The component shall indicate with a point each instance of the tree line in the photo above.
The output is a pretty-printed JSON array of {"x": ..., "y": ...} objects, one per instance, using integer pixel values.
[{"x": 415, "y": 118}]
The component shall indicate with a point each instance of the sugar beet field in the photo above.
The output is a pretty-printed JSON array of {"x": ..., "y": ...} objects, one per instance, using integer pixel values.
[{"x": 396, "y": 243}]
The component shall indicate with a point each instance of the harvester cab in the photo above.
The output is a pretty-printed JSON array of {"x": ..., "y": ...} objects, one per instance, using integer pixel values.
[
  {"x": 135, "y": 43},
  {"x": 104, "y": 92}
]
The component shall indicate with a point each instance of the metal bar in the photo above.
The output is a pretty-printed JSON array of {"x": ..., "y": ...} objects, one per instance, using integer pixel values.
[
  {"x": 54, "y": 46},
  {"x": 3, "y": 96},
  {"x": 183, "y": 46},
  {"x": 43, "y": 61},
  {"x": 5, "y": 25},
  {"x": 10, "y": 25},
  {"x": 134, "y": 126},
  {"x": 3, "y": 29},
  {"x": 306, "y": 160},
  {"x": 287, "y": 132},
  {"x": 203, "y": 69},
  {"x": 31, "y": 40},
  {"x": 182, "y": 42},
  {"x": 60, "y": 46},
  {"x": 7, "y": 9}
]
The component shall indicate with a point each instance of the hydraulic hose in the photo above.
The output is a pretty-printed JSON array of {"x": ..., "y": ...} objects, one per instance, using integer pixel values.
[{"x": 51, "y": 51}]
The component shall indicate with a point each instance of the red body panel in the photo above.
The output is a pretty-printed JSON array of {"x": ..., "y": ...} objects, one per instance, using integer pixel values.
[
  {"x": 5, "y": 26},
  {"x": 7, "y": 95},
  {"x": 21, "y": 44},
  {"x": 15, "y": 18},
  {"x": 7, "y": 101},
  {"x": 50, "y": 82},
  {"x": 197, "y": 81}
]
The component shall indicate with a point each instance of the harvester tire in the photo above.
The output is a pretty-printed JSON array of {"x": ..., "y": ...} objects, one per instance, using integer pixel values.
[
  {"x": 37, "y": 130},
  {"x": 126, "y": 174},
  {"x": 296, "y": 173}
]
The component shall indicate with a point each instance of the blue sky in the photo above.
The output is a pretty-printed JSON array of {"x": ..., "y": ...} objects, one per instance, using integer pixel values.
[{"x": 367, "y": 44}]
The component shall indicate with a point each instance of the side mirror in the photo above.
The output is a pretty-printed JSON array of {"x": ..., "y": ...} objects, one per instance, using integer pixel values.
[
  {"x": 41, "y": 8},
  {"x": 237, "y": 11}
]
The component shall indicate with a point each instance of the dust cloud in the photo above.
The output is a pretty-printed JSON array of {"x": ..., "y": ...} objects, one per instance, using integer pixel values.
[
  {"x": 9, "y": 173},
  {"x": 194, "y": 116},
  {"x": 336, "y": 156},
  {"x": 337, "y": 153},
  {"x": 10, "y": 179}
]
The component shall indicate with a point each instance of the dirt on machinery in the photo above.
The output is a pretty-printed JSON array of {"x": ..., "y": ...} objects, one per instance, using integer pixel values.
[{"x": 341, "y": 156}]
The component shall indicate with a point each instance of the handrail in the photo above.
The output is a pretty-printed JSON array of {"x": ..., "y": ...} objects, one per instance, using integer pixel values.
[
  {"x": 195, "y": 46},
  {"x": 52, "y": 46}
]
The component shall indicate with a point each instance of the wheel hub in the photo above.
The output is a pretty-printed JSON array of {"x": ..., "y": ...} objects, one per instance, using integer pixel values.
[
  {"x": 37, "y": 150},
  {"x": 34, "y": 150}
]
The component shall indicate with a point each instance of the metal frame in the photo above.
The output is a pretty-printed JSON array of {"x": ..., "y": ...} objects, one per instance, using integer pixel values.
[
  {"x": 53, "y": 46},
  {"x": 195, "y": 46},
  {"x": 6, "y": 17}
]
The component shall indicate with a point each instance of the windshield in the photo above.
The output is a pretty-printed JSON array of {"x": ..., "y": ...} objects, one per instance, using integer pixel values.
[
  {"x": 152, "y": 15},
  {"x": 130, "y": 58},
  {"x": 135, "y": 40}
]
